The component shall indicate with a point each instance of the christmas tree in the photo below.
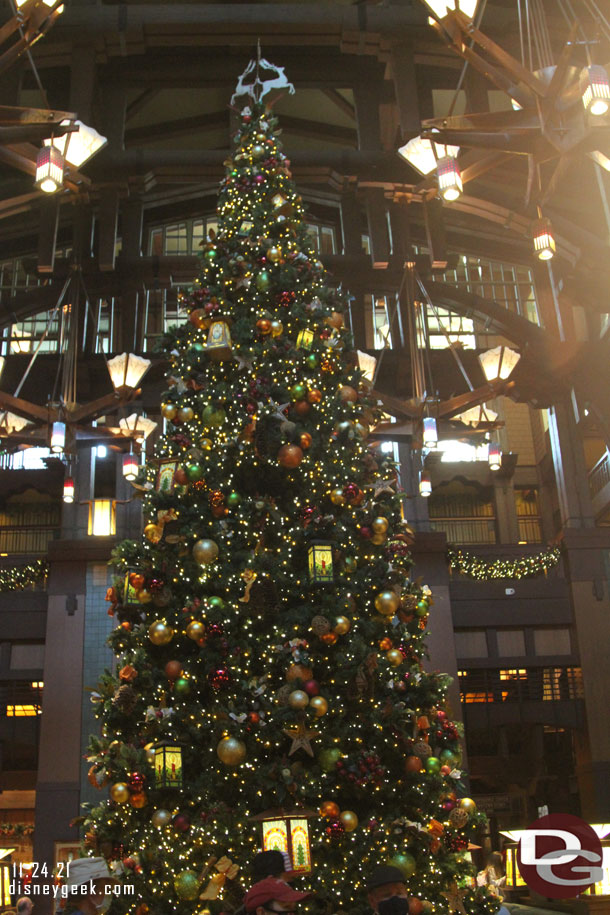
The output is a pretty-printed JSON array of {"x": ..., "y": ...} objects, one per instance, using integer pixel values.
[{"x": 269, "y": 689}]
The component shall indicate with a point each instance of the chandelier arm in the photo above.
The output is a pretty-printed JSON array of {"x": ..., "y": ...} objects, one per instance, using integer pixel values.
[
  {"x": 379, "y": 361},
  {"x": 42, "y": 339},
  {"x": 450, "y": 345}
]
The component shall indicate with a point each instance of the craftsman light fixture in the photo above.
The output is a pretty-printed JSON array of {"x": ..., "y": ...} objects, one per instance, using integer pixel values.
[
  {"x": 58, "y": 437},
  {"x": 367, "y": 365},
  {"x": 475, "y": 415},
  {"x": 494, "y": 456},
  {"x": 168, "y": 765},
  {"x": 78, "y": 146},
  {"x": 49, "y": 169},
  {"x": 440, "y": 7},
  {"x": 320, "y": 556},
  {"x": 423, "y": 156},
  {"x": 102, "y": 518},
  {"x": 498, "y": 363},
  {"x": 544, "y": 241},
  {"x": 425, "y": 484},
  {"x": 68, "y": 493},
  {"x": 595, "y": 89},
  {"x": 127, "y": 370},
  {"x": 11, "y": 422},
  {"x": 288, "y": 833},
  {"x": 130, "y": 466},
  {"x": 449, "y": 178},
  {"x": 140, "y": 425},
  {"x": 430, "y": 435}
]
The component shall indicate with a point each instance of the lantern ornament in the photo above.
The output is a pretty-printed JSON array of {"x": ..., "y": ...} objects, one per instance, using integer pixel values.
[
  {"x": 425, "y": 484},
  {"x": 595, "y": 89},
  {"x": 304, "y": 339},
  {"x": 68, "y": 494},
  {"x": 58, "y": 437},
  {"x": 320, "y": 557},
  {"x": 449, "y": 178},
  {"x": 168, "y": 765},
  {"x": 218, "y": 346},
  {"x": 494, "y": 456},
  {"x": 49, "y": 169},
  {"x": 130, "y": 466},
  {"x": 544, "y": 240},
  {"x": 430, "y": 436},
  {"x": 288, "y": 833}
]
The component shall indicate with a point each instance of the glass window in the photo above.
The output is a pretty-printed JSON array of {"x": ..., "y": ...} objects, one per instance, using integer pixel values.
[
  {"x": 471, "y": 643},
  {"x": 511, "y": 643},
  {"x": 377, "y": 313},
  {"x": 176, "y": 239},
  {"x": 27, "y": 657},
  {"x": 552, "y": 641},
  {"x": 439, "y": 327},
  {"x": 528, "y": 514}
]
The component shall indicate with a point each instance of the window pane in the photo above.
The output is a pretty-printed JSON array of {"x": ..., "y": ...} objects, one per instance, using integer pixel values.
[
  {"x": 472, "y": 644},
  {"x": 511, "y": 643},
  {"x": 552, "y": 641}
]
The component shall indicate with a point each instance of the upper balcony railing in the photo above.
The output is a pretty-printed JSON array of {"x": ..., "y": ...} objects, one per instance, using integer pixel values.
[{"x": 599, "y": 475}]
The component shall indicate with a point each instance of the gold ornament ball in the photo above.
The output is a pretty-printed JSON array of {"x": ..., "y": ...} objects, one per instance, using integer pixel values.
[
  {"x": 348, "y": 394},
  {"x": 378, "y": 539},
  {"x": 231, "y": 751},
  {"x": 195, "y": 630},
  {"x": 337, "y": 497},
  {"x": 144, "y": 596},
  {"x": 277, "y": 328},
  {"x": 298, "y": 699},
  {"x": 319, "y": 705},
  {"x": 119, "y": 792},
  {"x": 160, "y": 634},
  {"x": 185, "y": 414},
  {"x": 380, "y": 525},
  {"x": 206, "y": 444},
  {"x": 394, "y": 657},
  {"x": 341, "y": 625},
  {"x": 153, "y": 532},
  {"x": 349, "y": 820},
  {"x": 161, "y": 818},
  {"x": 467, "y": 804},
  {"x": 387, "y": 603},
  {"x": 273, "y": 254},
  {"x": 168, "y": 410},
  {"x": 205, "y": 551}
]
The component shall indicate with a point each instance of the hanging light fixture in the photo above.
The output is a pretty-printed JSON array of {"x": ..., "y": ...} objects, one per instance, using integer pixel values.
[
  {"x": 130, "y": 466},
  {"x": 367, "y": 365},
  {"x": 140, "y": 425},
  {"x": 425, "y": 484},
  {"x": 595, "y": 89},
  {"x": 498, "y": 363},
  {"x": 58, "y": 437},
  {"x": 544, "y": 241},
  {"x": 430, "y": 437},
  {"x": 11, "y": 422},
  {"x": 127, "y": 370},
  {"x": 68, "y": 494},
  {"x": 441, "y": 7},
  {"x": 78, "y": 146},
  {"x": 475, "y": 415},
  {"x": 494, "y": 456},
  {"x": 423, "y": 156},
  {"x": 449, "y": 178},
  {"x": 49, "y": 169}
]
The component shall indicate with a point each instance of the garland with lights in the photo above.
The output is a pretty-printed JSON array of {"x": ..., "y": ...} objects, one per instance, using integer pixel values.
[
  {"x": 16, "y": 830},
  {"x": 269, "y": 639},
  {"x": 525, "y": 567},
  {"x": 21, "y": 577}
]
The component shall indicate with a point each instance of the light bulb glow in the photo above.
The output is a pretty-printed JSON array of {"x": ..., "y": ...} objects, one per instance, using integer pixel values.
[
  {"x": 130, "y": 467},
  {"x": 58, "y": 437},
  {"x": 449, "y": 178},
  {"x": 68, "y": 494},
  {"x": 430, "y": 432},
  {"x": 425, "y": 484},
  {"x": 49, "y": 169},
  {"x": 494, "y": 456},
  {"x": 595, "y": 89},
  {"x": 544, "y": 242}
]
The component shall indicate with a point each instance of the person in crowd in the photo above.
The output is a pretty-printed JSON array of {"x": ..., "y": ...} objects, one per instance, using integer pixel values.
[
  {"x": 387, "y": 891},
  {"x": 273, "y": 895},
  {"x": 272, "y": 863},
  {"x": 492, "y": 875},
  {"x": 91, "y": 873}
]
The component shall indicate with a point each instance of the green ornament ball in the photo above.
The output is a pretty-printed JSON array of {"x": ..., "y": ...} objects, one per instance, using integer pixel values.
[
  {"x": 262, "y": 281},
  {"x": 233, "y": 499},
  {"x": 433, "y": 765},
  {"x": 213, "y": 416},
  {"x": 258, "y": 151},
  {"x": 350, "y": 564},
  {"x": 422, "y": 608},
  {"x": 197, "y": 347},
  {"x": 448, "y": 757},
  {"x": 182, "y": 687},
  {"x": 328, "y": 759},
  {"x": 194, "y": 472},
  {"x": 312, "y": 361},
  {"x": 216, "y": 603},
  {"x": 186, "y": 884},
  {"x": 404, "y": 862},
  {"x": 298, "y": 391},
  {"x": 210, "y": 255}
]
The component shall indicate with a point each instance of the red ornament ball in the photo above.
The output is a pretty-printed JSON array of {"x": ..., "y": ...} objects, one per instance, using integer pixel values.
[
  {"x": 219, "y": 678},
  {"x": 366, "y": 533},
  {"x": 335, "y": 829},
  {"x": 311, "y": 687},
  {"x": 290, "y": 456},
  {"x": 135, "y": 780},
  {"x": 181, "y": 822},
  {"x": 173, "y": 670}
]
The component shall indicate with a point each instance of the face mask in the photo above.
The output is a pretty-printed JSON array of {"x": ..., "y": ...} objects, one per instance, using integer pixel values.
[{"x": 393, "y": 905}]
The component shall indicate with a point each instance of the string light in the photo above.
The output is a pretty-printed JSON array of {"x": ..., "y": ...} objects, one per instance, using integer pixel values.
[
  {"x": 21, "y": 577},
  {"x": 483, "y": 570}
]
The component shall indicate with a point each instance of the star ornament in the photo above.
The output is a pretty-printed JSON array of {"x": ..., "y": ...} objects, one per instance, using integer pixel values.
[
  {"x": 301, "y": 738},
  {"x": 381, "y": 486}
]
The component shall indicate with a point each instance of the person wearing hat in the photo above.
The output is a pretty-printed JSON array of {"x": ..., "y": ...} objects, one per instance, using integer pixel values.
[
  {"x": 272, "y": 863},
  {"x": 24, "y": 906},
  {"x": 89, "y": 884},
  {"x": 272, "y": 895},
  {"x": 386, "y": 890}
]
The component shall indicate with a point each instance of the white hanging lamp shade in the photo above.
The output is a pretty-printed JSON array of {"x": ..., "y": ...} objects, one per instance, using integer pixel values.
[
  {"x": 425, "y": 484},
  {"x": 430, "y": 432},
  {"x": 595, "y": 89},
  {"x": 475, "y": 415},
  {"x": 78, "y": 146},
  {"x": 130, "y": 466},
  {"x": 494, "y": 456},
  {"x": 49, "y": 169},
  {"x": 58, "y": 437},
  {"x": 367, "y": 365},
  {"x": 423, "y": 156},
  {"x": 140, "y": 425},
  {"x": 441, "y": 7},
  {"x": 127, "y": 370},
  {"x": 11, "y": 422},
  {"x": 449, "y": 178},
  {"x": 498, "y": 363},
  {"x": 68, "y": 493}
]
